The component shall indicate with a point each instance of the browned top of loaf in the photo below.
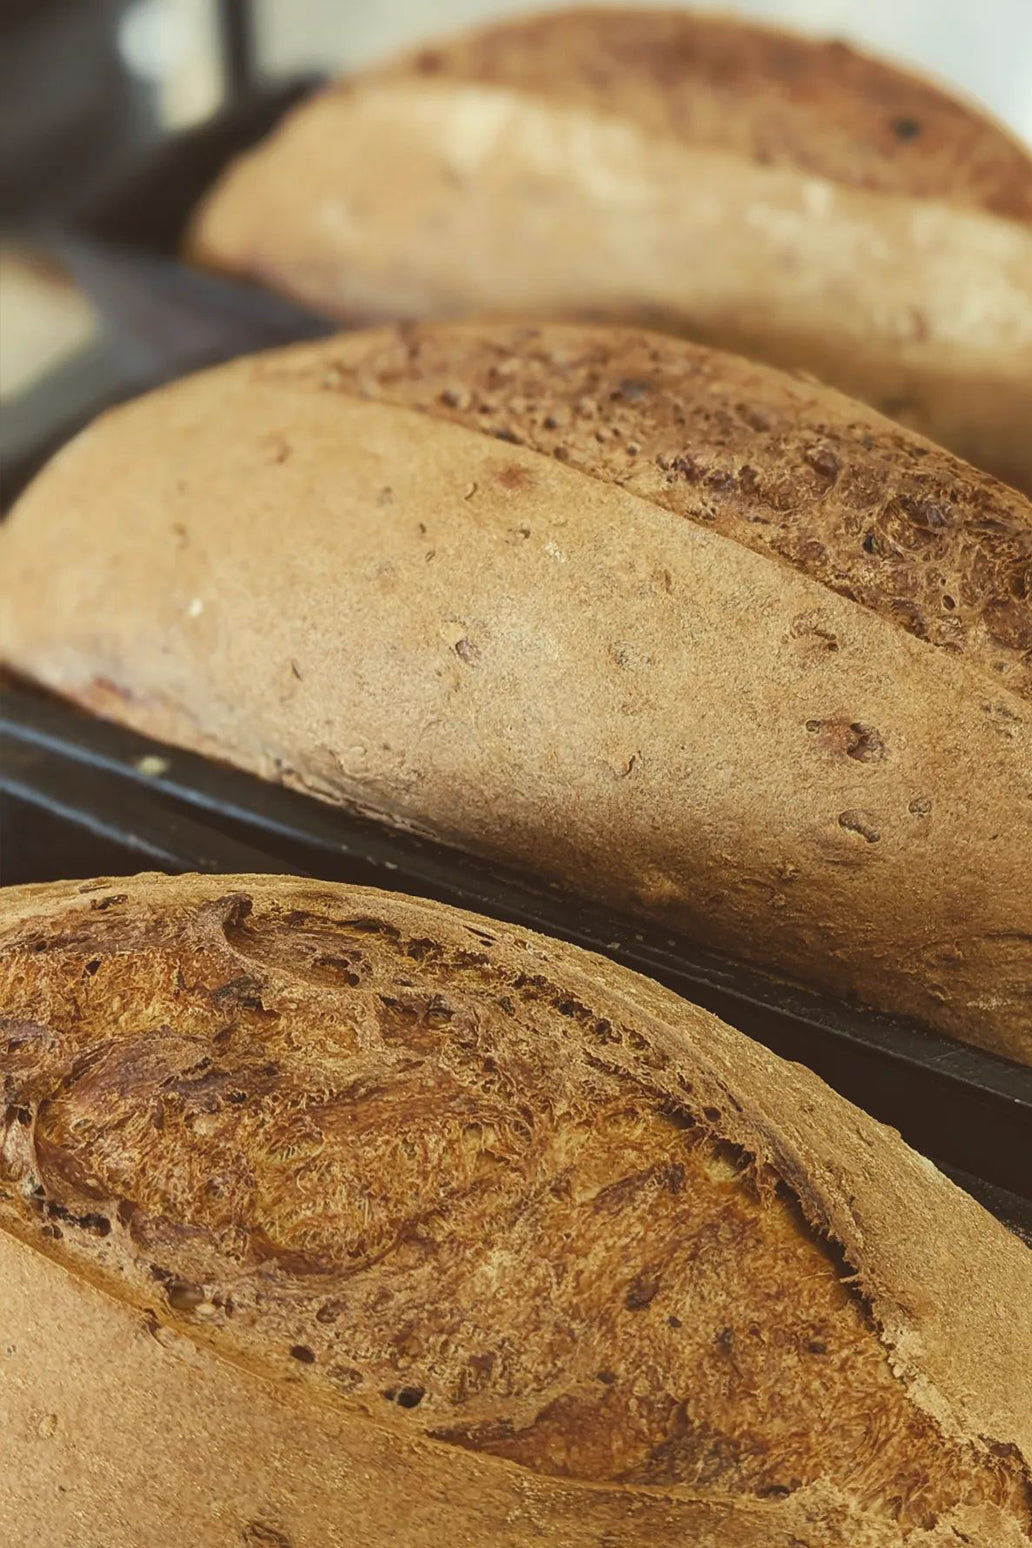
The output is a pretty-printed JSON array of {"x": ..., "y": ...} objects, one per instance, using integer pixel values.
[
  {"x": 456, "y": 1178},
  {"x": 776, "y": 98},
  {"x": 779, "y": 464}
]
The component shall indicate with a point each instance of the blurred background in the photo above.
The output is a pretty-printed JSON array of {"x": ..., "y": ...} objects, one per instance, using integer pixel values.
[{"x": 88, "y": 87}]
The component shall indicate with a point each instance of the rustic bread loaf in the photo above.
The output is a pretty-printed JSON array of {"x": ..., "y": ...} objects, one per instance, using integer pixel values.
[
  {"x": 330, "y": 1219},
  {"x": 673, "y": 630},
  {"x": 782, "y": 197}
]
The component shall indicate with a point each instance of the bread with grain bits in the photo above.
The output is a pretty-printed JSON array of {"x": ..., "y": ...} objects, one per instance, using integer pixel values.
[
  {"x": 678, "y": 632},
  {"x": 331, "y": 1219},
  {"x": 786, "y": 198}
]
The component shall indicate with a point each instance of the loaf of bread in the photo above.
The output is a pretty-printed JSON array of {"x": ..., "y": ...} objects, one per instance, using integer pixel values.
[
  {"x": 332, "y": 1219},
  {"x": 788, "y": 199},
  {"x": 675, "y": 631}
]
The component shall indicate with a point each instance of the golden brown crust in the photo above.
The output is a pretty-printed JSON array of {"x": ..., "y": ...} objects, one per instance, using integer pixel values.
[
  {"x": 120, "y": 1433},
  {"x": 773, "y": 97},
  {"x": 482, "y": 1188},
  {"x": 845, "y": 496}
]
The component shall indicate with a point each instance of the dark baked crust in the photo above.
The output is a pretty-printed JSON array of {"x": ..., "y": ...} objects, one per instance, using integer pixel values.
[
  {"x": 859, "y": 504},
  {"x": 497, "y": 1193},
  {"x": 775, "y": 98}
]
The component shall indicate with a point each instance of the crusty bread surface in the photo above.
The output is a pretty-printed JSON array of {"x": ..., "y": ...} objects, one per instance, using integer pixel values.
[
  {"x": 675, "y": 631},
  {"x": 333, "y": 1219},
  {"x": 779, "y": 196}
]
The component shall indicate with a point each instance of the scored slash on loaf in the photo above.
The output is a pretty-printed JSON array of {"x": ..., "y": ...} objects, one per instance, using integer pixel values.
[{"x": 331, "y": 1218}]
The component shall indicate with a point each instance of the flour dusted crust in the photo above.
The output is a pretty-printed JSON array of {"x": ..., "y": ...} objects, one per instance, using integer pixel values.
[
  {"x": 329, "y": 1217},
  {"x": 786, "y": 198},
  {"x": 672, "y": 630}
]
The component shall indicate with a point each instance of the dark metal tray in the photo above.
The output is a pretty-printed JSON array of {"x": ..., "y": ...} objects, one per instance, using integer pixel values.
[
  {"x": 123, "y": 245},
  {"x": 159, "y": 317},
  {"x": 79, "y": 796}
]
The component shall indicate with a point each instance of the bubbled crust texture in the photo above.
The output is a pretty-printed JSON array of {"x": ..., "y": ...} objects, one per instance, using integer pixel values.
[
  {"x": 771, "y": 97},
  {"x": 845, "y": 496},
  {"x": 504, "y": 1197}
]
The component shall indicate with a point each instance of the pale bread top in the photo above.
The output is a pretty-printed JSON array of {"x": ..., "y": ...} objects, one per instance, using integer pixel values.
[{"x": 509, "y": 1215}]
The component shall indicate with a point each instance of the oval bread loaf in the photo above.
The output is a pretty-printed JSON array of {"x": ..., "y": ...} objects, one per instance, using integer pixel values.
[
  {"x": 782, "y": 197},
  {"x": 332, "y": 1219},
  {"x": 676, "y": 631}
]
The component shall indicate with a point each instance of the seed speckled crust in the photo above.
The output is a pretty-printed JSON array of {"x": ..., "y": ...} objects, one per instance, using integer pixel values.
[
  {"x": 704, "y": 670},
  {"x": 843, "y": 495}
]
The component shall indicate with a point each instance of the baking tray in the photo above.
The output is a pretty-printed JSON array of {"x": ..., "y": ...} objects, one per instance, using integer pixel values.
[
  {"x": 159, "y": 318},
  {"x": 82, "y": 797}
]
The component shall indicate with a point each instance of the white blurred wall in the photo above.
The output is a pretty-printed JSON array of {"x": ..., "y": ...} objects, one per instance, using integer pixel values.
[{"x": 983, "y": 47}]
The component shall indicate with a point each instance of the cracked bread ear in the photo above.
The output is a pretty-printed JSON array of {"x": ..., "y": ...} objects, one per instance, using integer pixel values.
[
  {"x": 349, "y": 1218},
  {"x": 666, "y": 628},
  {"x": 778, "y": 196}
]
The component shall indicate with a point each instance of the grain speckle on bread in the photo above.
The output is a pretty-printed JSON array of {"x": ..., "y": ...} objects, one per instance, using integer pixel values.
[
  {"x": 692, "y": 698},
  {"x": 784, "y": 198},
  {"x": 439, "y": 1178},
  {"x": 845, "y": 496}
]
